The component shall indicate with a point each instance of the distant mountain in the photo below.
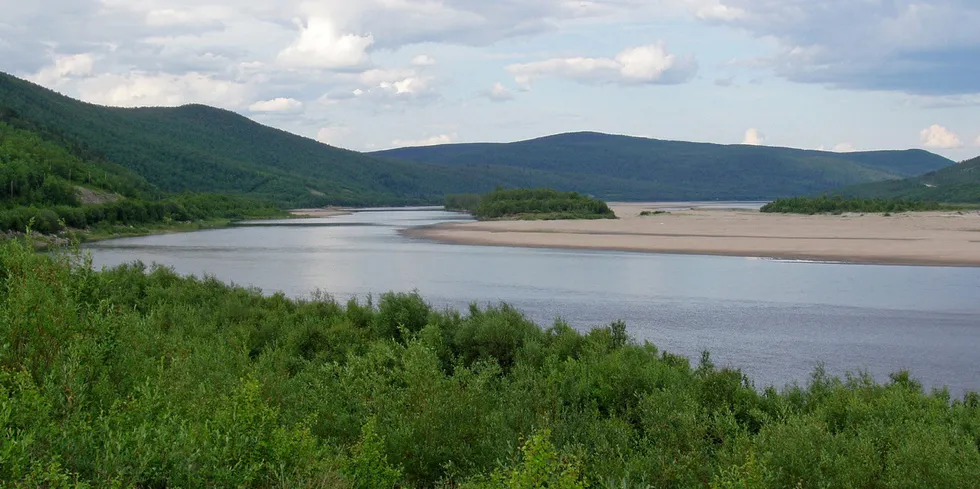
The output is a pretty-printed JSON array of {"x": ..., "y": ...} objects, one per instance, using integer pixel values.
[
  {"x": 957, "y": 183},
  {"x": 203, "y": 149},
  {"x": 674, "y": 170}
]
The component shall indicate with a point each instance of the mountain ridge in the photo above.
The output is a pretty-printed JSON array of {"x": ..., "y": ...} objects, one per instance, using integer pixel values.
[
  {"x": 198, "y": 148},
  {"x": 959, "y": 183}
]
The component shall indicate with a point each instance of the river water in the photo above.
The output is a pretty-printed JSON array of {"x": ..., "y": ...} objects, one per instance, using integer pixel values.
[{"x": 775, "y": 320}]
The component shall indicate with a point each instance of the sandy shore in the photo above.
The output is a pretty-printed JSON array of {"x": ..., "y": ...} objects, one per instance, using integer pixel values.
[
  {"x": 320, "y": 212},
  {"x": 927, "y": 238}
]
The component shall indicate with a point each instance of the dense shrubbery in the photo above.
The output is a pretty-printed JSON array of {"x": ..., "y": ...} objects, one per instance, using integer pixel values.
[
  {"x": 530, "y": 204},
  {"x": 140, "y": 378},
  {"x": 839, "y": 205}
]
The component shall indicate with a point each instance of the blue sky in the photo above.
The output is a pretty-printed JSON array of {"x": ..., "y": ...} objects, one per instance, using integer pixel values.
[{"x": 372, "y": 74}]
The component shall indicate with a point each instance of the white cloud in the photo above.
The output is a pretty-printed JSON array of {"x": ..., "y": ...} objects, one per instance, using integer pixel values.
[
  {"x": 924, "y": 47},
  {"x": 499, "y": 93},
  {"x": 977, "y": 141},
  {"x": 650, "y": 64},
  {"x": 423, "y": 60},
  {"x": 844, "y": 148},
  {"x": 277, "y": 105},
  {"x": 142, "y": 90},
  {"x": 64, "y": 67},
  {"x": 431, "y": 141},
  {"x": 939, "y": 137},
  {"x": 395, "y": 84},
  {"x": 333, "y": 135},
  {"x": 754, "y": 138},
  {"x": 322, "y": 45}
]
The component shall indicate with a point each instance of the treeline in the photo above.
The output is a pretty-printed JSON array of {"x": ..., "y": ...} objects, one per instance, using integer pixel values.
[
  {"x": 840, "y": 205},
  {"x": 130, "y": 212},
  {"x": 140, "y": 378},
  {"x": 530, "y": 204}
]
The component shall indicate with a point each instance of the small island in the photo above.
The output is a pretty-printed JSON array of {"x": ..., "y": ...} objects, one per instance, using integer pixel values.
[
  {"x": 530, "y": 205},
  {"x": 838, "y": 205}
]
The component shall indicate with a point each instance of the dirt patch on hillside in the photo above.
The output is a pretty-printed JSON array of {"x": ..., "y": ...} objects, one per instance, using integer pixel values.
[{"x": 89, "y": 196}]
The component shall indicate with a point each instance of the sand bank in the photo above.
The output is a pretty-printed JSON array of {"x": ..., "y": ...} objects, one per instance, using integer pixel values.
[
  {"x": 926, "y": 238},
  {"x": 320, "y": 212}
]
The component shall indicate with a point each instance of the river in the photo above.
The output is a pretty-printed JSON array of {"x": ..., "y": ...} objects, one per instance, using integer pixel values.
[{"x": 775, "y": 320}]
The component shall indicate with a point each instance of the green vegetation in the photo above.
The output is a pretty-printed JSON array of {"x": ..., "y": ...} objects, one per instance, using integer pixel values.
[
  {"x": 202, "y": 149},
  {"x": 136, "y": 377},
  {"x": 45, "y": 186},
  {"x": 653, "y": 213},
  {"x": 629, "y": 168},
  {"x": 955, "y": 184},
  {"x": 840, "y": 205},
  {"x": 530, "y": 204}
]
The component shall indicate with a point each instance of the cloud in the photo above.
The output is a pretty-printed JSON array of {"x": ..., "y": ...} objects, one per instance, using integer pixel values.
[
  {"x": 844, "y": 148},
  {"x": 423, "y": 60},
  {"x": 939, "y": 137},
  {"x": 321, "y": 45},
  {"x": 918, "y": 47},
  {"x": 64, "y": 67},
  {"x": 498, "y": 93},
  {"x": 976, "y": 142},
  {"x": 650, "y": 64},
  {"x": 431, "y": 141},
  {"x": 725, "y": 82},
  {"x": 394, "y": 84},
  {"x": 333, "y": 135},
  {"x": 277, "y": 105},
  {"x": 754, "y": 138},
  {"x": 139, "y": 89}
]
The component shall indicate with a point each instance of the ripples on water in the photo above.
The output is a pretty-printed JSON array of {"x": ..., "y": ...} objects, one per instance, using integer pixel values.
[{"x": 776, "y": 320}]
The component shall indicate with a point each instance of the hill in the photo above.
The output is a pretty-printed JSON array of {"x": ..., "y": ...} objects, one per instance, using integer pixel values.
[
  {"x": 203, "y": 149},
  {"x": 48, "y": 184},
  {"x": 675, "y": 170},
  {"x": 958, "y": 183}
]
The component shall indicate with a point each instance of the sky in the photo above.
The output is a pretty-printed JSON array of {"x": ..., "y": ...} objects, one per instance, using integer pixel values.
[{"x": 838, "y": 75}]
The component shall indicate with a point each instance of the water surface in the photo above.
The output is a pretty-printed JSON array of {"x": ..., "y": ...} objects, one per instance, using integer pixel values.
[{"x": 776, "y": 320}]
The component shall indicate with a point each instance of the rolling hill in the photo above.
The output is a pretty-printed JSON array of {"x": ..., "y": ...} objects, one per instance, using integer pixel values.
[
  {"x": 957, "y": 183},
  {"x": 203, "y": 149},
  {"x": 674, "y": 170}
]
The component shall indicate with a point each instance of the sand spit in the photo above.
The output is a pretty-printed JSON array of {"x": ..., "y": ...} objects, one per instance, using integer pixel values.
[{"x": 921, "y": 238}]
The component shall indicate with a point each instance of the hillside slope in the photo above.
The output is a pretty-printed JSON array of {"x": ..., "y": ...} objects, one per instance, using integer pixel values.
[
  {"x": 203, "y": 149},
  {"x": 683, "y": 170},
  {"x": 957, "y": 183}
]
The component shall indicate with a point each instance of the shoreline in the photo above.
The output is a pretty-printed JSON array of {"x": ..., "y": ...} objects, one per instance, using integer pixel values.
[{"x": 940, "y": 239}]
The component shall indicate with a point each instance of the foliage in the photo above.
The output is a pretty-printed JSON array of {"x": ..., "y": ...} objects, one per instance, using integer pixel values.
[
  {"x": 840, "y": 205},
  {"x": 137, "y": 377},
  {"x": 531, "y": 204},
  {"x": 956, "y": 184},
  {"x": 630, "y": 168},
  {"x": 41, "y": 181}
]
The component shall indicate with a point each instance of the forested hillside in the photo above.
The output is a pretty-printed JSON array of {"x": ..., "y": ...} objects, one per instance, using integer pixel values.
[
  {"x": 674, "y": 170},
  {"x": 47, "y": 184},
  {"x": 957, "y": 183},
  {"x": 203, "y": 149}
]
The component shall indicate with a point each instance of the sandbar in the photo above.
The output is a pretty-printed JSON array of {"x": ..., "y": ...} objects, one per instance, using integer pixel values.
[
  {"x": 320, "y": 212},
  {"x": 917, "y": 238}
]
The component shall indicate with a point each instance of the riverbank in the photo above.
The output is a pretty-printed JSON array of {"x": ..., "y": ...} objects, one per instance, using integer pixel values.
[{"x": 921, "y": 238}]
